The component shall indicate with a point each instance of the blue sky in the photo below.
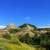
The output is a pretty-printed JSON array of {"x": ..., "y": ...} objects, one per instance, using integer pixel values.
[{"x": 36, "y": 12}]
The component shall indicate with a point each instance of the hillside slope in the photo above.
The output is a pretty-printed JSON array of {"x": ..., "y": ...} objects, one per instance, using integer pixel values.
[{"x": 4, "y": 44}]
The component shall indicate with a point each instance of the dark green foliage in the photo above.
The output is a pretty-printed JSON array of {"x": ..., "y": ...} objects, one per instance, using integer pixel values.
[
  {"x": 7, "y": 36},
  {"x": 45, "y": 39},
  {"x": 36, "y": 41},
  {"x": 42, "y": 40},
  {"x": 13, "y": 30},
  {"x": 25, "y": 38},
  {"x": 24, "y": 25},
  {"x": 30, "y": 40}
]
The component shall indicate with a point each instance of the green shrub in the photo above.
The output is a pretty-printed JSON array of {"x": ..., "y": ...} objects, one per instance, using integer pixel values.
[
  {"x": 13, "y": 30},
  {"x": 7, "y": 36}
]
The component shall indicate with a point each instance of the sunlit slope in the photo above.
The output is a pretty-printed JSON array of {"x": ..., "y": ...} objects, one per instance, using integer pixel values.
[{"x": 4, "y": 44}]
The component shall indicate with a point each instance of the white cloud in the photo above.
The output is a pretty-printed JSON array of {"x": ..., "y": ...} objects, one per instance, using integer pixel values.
[
  {"x": 44, "y": 26},
  {"x": 1, "y": 26}
]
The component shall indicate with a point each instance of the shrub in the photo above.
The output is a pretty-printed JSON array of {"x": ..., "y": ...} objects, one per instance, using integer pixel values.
[
  {"x": 13, "y": 30},
  {"x": 7, "y": 36}
]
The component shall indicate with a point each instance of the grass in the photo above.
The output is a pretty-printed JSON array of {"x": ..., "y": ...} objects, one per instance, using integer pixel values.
[{"x": 6, "y": 44}]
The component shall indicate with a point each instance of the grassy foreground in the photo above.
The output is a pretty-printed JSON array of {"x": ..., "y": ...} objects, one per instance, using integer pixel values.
[{"x": 5, "y": 45}]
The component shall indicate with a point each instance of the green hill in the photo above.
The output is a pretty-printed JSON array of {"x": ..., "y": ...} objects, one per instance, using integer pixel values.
[
  {"x": 14, "y": 44},
  {"x": 6, "y": 45},
  {"x": 25, "y": 37}
]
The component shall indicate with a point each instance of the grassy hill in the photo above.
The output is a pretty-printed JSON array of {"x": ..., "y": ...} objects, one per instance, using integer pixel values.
[
  {"x": 14, "y": 44},
  {"x": 25, "y": 37},
  {"x": 6, "y": 45}
]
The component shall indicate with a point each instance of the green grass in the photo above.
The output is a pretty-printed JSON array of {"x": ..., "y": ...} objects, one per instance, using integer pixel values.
[{"x": 6, "y": 45}]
